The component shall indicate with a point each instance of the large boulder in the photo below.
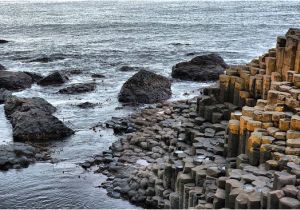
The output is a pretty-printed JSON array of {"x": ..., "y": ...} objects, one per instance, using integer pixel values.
[
  {"x": 145, "y": 87},
  {"x": 56, "y": 78},
  {"x": 201, "y": 68},
  {"x": 14, "y": 80},
  {"x": 78, "y": 88},
  {"x": 32, "y": 120}
]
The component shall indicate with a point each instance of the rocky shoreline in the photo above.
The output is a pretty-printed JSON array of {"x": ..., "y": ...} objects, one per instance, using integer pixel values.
[{"x": 235, "y": 146}]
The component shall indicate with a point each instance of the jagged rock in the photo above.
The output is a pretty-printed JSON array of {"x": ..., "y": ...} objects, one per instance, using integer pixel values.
[
  {"x": 201, "y": 68},
  {"x": 78, "y": 88},
  {"x": 145, "y": 87},
  {"x": 32, "y": 119},
  {"x": 14, "y": 80},
  {"x": 55, "y": 78}
]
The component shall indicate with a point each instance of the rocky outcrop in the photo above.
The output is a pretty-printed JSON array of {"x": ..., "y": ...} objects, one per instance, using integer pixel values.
[
  {"x": 145, "y": 87},
  {"x": 201, "y": 68},
  {"x": 14, "y": 80},
  {"x": 78, "y": 88},
  {"x": 237, "y": 146},
  {"x": 32, "y": 120},
  {"x": 56, "y": 78}
]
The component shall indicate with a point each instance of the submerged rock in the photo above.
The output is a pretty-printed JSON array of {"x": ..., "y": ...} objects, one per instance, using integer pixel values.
[
  {"x": 201, "y": 68},
  {"x": 32, "y": 119},
  {"x": 3, "y": 41},
  {"x": 145, "y": 87},
  {"x": 2, "y": 68},
  {"x": 47, "y": 59},
  {"x": 55, "y": 78},
  {"x": 14, "y": 80},
  {"x": 98, "y": 76},
  {"x": 78, "y": 88},
  {"x": 129, "y": 68},
  {"x": 86, "y": 105}
]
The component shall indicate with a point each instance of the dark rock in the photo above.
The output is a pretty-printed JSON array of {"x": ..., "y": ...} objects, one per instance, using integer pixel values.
[
  {"x": 34, "y": 76},
  {"x": 32, "y": 119},
  {"x": 47, "y": 59},
  {"x": 55, "y": 78},
  {"x": 98, "y": 76},
  {"x": 74, "y": 71},
  {"x": 145, "y": 87},
  {"x": 2, "y": 68},
  {"x": 201, "y": 68},
  {"x": 129, "y": 68},
  {"x": 14, "y": 80},
  {"x": 86, "y": 105},
  {"x": 78, "y": 88},
  {"x": 3, "y": 41},
  {"x": 4, "y": 95}
]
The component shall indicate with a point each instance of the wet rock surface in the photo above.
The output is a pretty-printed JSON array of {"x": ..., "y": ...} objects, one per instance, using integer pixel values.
[
  {"x": 4, "y": 95},
  {"x": 145, "y": 87},
  {"x": 56, "y": 78},
  {"x": 19, "y": 155},
  {"x": 32, "y": 120},
  {"x": 236, "y": 146},
  {"x": 78, "y": 88},
  {"x": 129, "y": 68},
  {"x": 15, "y": 80},
  {"x": 201, "y": 68}
]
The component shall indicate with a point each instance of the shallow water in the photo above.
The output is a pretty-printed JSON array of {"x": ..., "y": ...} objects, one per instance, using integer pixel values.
[{"x": 100, "y": 37}]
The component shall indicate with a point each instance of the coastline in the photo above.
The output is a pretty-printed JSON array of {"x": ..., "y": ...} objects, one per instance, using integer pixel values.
[{"x": 235, "y": 147}]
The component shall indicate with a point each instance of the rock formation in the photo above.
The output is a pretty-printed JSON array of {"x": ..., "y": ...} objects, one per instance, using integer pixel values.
[
  {"x": 32, "y": 120},
  {"x": 237, "y": 146},
  {"x": 15, "y": 80},
  {"x": 201, "y": 68},
  {"x": 56, "y": 78},
  {"x": 78, "y": 88},
  {"x": 145, "y": 87}
]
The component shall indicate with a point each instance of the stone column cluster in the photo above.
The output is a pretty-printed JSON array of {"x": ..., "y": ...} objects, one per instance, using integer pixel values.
[
  {"x": 238, "y": 146},
  {"x": 262, "y": 142}
]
